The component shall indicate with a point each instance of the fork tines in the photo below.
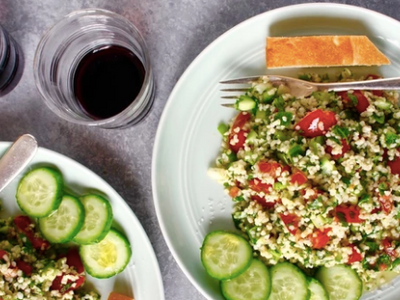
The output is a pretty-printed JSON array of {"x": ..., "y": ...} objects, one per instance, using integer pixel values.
[
  {"x": 243, "y": 80},
  {"x": 233, "y": 90}
]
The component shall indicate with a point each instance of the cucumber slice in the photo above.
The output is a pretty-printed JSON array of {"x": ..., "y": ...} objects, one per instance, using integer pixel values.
[
  {"x": 62, "y": 225},
  {"x": 288, "y": 282},
  {"x": 341, "y": 282},
  {"x": 40, "y": 191},
  {"x": 108, "y": 257},
  {"x": 254, "y": 284},
  {"x": 317, "y": 290},
  {"x": 225, "y": 255},
  {"x": 98, "y": 219}
]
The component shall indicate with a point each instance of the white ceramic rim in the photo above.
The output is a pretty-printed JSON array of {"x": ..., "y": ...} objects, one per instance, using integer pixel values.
[
  {"x": 193, "y": 65},
  {"x": 157, "y": 280}
]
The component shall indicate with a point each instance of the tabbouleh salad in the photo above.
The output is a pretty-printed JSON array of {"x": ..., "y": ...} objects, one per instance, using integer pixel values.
[
  {"x": 315, "y": 180},
  {"x": 31, "y": 268}
]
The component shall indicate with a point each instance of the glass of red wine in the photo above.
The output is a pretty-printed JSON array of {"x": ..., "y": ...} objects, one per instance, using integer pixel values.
[
  {"x": 11, "y": 63},
  {"x": 92, "y": 68}
]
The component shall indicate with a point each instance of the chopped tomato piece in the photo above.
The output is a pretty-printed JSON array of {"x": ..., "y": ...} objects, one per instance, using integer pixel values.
[
  {"x": 291, "y": 222},
  {"x": 394, "y": 165},
  {"x": 269, "y": 167},
  {"x": 316, "y": 123},
  {"x": 261, "y": 200},
  {"x": 389, "y": 249},
  {"x": 57, "y": 284},
  {"x": 320, "y": 238},
  {"x": 355, "y": 255},
  {"x": 386, "y": 203},
  {"x": 373, "y": 76},
  {"x": 241, "y": 120},
  {"x": 351, "y": 214},
  {"x": 116, "y": 296},
  {"x": 234, "y": 191},
  {"x": 345, "y": 98},
  {"x": 23, "y": 224},
  {"x": 238, "y": 140},
  {"x": 376, "y": 210},
  {"x": 383, "y": 267},
  {"x": 24, "y": 267},
  {"x": 345, "y": 148},
  {"x": 74, "y": 260},
  {"x": 299, "y": 178},
  {"x": 362, "y": 101},
  {"x": 286, "y": 168},
  {"x": 257, "y": 186},
  {"x": 377, "y": 93},
  {"x": 3, "y": 253},
  {"x": 238, "y": 137}
]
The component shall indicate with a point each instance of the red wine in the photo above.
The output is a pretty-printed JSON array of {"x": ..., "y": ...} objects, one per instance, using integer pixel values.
[{"x": 107, "y": 80}]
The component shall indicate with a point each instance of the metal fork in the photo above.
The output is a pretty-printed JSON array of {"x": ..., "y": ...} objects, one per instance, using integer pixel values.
[{"x": 302, "y": 88}]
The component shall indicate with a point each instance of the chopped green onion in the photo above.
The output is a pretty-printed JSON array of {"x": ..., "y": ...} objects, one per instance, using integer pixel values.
[
  {"x": 379, "y": 119},
  {"x": 278, "y": 186},
  {"x": 251, "y": 136},
  {"x": 268, "y": 96},
  {"x": 279, "y": 103},
  {"x": 261, "y": 114},
  {"x": 372, "y": 246},
  {"x": 296, "y": 150},
  {"x": 284, "y": 117},
  {"x": 353, "y": 99},
  {"x": 343, "y": 132},
  {"x": 238, "y": 199},
  {"x": 281, "y": 135},
  {"x": 364, "y": 199},
  {"x": 391, "y": 138},
  {"x": 223, "y": 128},
  {"x": 306, "y": 77}
]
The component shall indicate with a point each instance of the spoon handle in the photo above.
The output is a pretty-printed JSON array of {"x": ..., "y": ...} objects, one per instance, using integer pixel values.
[{"x": 16, "y": 158}]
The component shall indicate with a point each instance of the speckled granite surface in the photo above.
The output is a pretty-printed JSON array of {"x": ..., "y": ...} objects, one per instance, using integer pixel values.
[{"x": 176, "y": 32}]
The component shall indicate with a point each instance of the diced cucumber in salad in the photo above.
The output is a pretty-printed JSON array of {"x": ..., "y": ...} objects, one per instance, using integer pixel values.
[
  {"x": 86, "y": 220},
  {"x": 315, "y": 182}
]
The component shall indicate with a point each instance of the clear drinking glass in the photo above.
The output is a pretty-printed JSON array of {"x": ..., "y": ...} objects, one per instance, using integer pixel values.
[
  {"x": 63, "y": 47},
  {"x": 10, "y": 62}
]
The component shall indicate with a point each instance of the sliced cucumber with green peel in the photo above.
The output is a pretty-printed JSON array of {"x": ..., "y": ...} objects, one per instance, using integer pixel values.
[
  {"x": 98, "y": 220},
  {"x": 40, "y": 191},
  {"x": 317, "y": 290},
  {"x": 254, "y": 284},
  {"x": 341, "y": 282},
  {"x": 225, "y": 255},
  {"x": 288, "y": 282},
  {"x": 63, "y": 225},
  {"x": 108, "y": 257}
]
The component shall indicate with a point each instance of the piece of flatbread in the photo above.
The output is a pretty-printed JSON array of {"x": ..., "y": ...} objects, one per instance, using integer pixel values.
[{"x": 323, "y": 51}]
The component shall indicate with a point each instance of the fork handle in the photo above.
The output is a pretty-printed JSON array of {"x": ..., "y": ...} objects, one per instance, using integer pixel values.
[{"x": 376, "y": 84}]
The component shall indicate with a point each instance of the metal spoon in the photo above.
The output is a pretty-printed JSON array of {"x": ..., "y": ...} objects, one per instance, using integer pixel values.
[{"x": 17, "y": 158}]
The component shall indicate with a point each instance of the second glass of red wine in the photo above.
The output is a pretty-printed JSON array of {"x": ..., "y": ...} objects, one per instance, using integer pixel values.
[{"x": 93, "y": 68}]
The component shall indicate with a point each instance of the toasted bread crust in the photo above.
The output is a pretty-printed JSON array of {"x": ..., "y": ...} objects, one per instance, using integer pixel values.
[{"x": 322, "y": 51}]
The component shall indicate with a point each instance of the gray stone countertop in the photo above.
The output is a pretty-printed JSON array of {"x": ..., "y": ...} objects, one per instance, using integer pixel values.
[{"x": 176, "y": 31}]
